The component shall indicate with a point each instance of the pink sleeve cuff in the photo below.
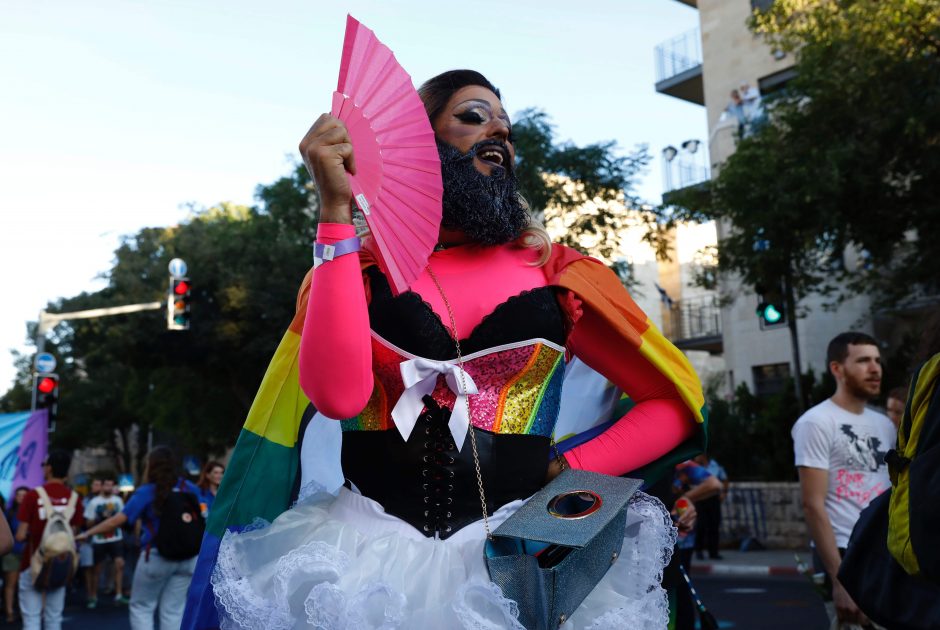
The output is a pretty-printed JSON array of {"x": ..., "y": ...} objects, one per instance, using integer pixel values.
[{"x": 329, "y": 233}]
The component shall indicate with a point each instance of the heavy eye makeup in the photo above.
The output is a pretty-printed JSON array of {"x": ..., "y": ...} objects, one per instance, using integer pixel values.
[
  {"x": 478, "y": 114},
  {"x": 473, "y": 117}
]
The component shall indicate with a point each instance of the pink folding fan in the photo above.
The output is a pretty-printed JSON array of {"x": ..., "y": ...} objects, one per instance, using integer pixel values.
[{"x": 398, "y": 180}]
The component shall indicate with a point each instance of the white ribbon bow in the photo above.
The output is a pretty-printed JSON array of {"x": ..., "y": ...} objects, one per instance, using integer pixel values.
[{"x": 420, "y": 379}]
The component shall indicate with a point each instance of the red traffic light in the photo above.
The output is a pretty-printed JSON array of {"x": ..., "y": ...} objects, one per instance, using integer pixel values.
[
  {"x": 46, "y": 385},
  {"x": 181, "y": 287}
]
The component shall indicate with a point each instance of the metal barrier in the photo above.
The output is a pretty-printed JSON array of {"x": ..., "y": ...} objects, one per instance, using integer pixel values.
[{"x": 743, "y": 515}]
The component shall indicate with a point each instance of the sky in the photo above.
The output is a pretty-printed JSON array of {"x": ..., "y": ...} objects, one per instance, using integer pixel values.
[{"x": 116, "y": 115}]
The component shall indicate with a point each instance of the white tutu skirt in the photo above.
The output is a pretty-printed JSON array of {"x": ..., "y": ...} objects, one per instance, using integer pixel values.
[{"x": 342, "y": 563}]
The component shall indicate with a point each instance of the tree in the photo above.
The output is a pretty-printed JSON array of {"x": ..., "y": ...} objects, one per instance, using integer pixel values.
[
  {"x": 194, "y": 388},
  {"x": 582, "y": 194},
  {"x": 125, "y": 375},
  {"x": 836, "y": 193}
]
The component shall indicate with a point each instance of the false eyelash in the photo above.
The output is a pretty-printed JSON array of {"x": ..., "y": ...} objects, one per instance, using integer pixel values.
[{"x": 471, "y": 117}]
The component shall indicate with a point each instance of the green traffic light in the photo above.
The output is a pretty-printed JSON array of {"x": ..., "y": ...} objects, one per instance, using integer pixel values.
[{"x": 771, "y": 315}]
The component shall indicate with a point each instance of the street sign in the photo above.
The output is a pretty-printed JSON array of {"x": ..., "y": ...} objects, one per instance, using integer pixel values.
[
  {"x": 45, "y": 363},
  {"x": 177, "y": 267}
]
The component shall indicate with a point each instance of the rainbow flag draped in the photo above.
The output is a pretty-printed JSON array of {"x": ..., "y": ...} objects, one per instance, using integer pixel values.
[{"x": 265, "y": 464}]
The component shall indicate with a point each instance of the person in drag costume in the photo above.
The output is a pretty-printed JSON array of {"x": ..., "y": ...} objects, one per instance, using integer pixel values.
[{"x": 374, "y": 520}]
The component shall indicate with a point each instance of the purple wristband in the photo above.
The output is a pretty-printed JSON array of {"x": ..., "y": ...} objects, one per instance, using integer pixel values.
[{"x": 325, "y": 253}]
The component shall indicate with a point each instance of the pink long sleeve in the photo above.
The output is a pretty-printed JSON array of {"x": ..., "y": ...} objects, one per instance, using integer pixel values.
[
  {"x": 658, "y": 422},
  {"x": 335, "y": 348}
]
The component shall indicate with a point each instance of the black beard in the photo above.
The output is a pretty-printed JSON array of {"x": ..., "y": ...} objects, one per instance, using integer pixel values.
[{"x": 486, "y": 208}]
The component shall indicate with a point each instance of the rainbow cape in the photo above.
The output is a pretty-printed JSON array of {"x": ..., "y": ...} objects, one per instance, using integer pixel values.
[{"x": 264, "y": 466}]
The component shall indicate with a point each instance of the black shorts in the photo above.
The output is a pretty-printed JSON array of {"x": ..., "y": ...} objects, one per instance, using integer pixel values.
[{"x": 103, "y": 551}]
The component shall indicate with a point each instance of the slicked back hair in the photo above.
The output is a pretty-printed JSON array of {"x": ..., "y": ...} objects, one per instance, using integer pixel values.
[
  {"x": 838, "y": 349},
  {"x": 436, "y": 91}
]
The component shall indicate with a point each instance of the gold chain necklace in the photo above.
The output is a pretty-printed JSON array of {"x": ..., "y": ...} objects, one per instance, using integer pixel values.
[{"x": 463, "y": 384}]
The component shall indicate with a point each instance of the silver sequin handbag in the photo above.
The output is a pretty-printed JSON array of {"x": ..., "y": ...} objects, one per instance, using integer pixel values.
[{"x": 550, "y": 554}]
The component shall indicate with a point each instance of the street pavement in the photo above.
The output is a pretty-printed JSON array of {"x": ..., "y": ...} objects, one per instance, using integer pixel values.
[
  {"x": 756, "y": 589},
  {"x": 762, "y": 603},
  {"x": 107, "y": 616},
  {"x": 753, "y": 563}
]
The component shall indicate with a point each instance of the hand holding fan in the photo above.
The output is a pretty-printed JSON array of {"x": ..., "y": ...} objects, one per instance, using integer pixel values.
[{"x": 398, "y": 181}]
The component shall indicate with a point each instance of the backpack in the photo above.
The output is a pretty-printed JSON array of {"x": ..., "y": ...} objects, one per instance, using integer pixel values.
[
  {"x": 914, "y": 466},
  {"x": 54, "y": 562},
  {"x": 181, "y": 526}
]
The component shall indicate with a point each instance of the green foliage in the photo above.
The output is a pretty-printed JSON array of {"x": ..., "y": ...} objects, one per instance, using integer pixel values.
[
  {"x": 848, "y": 161},
  {"x": 582, "y": 193},
  {"x": 750, "y": 435},
  {"x": 192, "y": 387}
]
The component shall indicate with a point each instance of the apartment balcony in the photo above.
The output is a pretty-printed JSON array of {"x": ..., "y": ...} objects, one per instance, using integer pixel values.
[
  {"x": 694, "y": 324},
  {"x": 679, "y": 67},
  {"x": 685, "y": 166}
]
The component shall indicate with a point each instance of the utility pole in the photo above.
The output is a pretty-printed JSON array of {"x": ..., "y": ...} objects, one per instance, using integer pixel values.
[
  {"x": 47, "y": 322},
  {"x": 790, "y": 300}
]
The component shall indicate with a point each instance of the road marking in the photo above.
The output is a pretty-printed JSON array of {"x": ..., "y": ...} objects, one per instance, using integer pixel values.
[{"x": 744, "y": 590}]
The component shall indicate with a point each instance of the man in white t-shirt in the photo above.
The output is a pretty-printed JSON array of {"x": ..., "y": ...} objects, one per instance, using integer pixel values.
[
  {"x": 105, "y": 546},
  {"x": 840, "y": 446}
]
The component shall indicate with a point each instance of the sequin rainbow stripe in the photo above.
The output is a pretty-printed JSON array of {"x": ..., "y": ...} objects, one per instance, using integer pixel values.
[{"x": 519, "y": 388}]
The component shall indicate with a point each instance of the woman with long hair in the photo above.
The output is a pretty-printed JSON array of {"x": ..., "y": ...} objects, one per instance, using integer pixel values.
[
  {"x": 159, "y": 583},
  {"x": 11, "y": 561},
  {"x": 209, "y": 481}
]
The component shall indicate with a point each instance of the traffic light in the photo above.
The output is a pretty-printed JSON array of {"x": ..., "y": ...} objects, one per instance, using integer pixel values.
[
  {"x": 46, "y": 391},
  {"x": 771, "y": 308},
  {"x": 177, "y": 304}
]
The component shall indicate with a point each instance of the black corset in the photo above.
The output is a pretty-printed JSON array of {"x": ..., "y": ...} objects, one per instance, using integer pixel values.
[
  {"x": 411, "y": 324},
  {"x": 427, "y": 483}
]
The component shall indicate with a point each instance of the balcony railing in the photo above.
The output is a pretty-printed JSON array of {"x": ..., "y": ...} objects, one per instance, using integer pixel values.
[
  {"x": 686, "y": 169},
  {"x": 678, "y": 55},
  {"x": 695, "y": 324}
]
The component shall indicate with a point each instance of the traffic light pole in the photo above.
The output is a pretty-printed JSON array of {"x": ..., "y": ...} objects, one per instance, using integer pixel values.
[{"x": 48, "y": 320}]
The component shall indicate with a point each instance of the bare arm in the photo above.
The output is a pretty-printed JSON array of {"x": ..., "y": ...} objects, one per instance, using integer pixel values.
[
  {"x": 6, "y": 537},
  {"x": 814, "y": 485},
  {"x": 104, "y": 527},
  {"x": 22, "y": 532},
  {"x": 709, "y": 487}
]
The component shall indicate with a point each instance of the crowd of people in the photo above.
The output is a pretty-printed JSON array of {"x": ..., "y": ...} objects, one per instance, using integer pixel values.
[{"x": 112, "y": 535}]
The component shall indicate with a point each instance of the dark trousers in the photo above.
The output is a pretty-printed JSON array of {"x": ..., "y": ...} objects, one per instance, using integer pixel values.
[{"x": 708, "y": 525}]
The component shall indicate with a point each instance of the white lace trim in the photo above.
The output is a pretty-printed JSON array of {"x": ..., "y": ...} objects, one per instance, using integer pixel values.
[
  {"x": 256, "y": 524},
  {"x": 312, "y": 490},
  {"x": 303, "y": 586},
  {"x": 244, "y": 608},
  {"x": 624, "y": 618},
  {"x": 481, "y": 605},
  {"x": 326, "y": 607},
  {"x": 316, "y": 560},
  {"x": 376, "y": 607}
]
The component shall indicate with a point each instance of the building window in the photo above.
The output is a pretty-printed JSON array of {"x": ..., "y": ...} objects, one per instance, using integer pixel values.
[
  {"x": 770, "y": 379},
  {"x": 776, "y": 82},
  {"x": 761, "y": 5}
]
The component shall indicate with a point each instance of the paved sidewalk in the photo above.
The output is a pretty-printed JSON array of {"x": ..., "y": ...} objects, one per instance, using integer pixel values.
[{"x": 753, "y": 563}]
